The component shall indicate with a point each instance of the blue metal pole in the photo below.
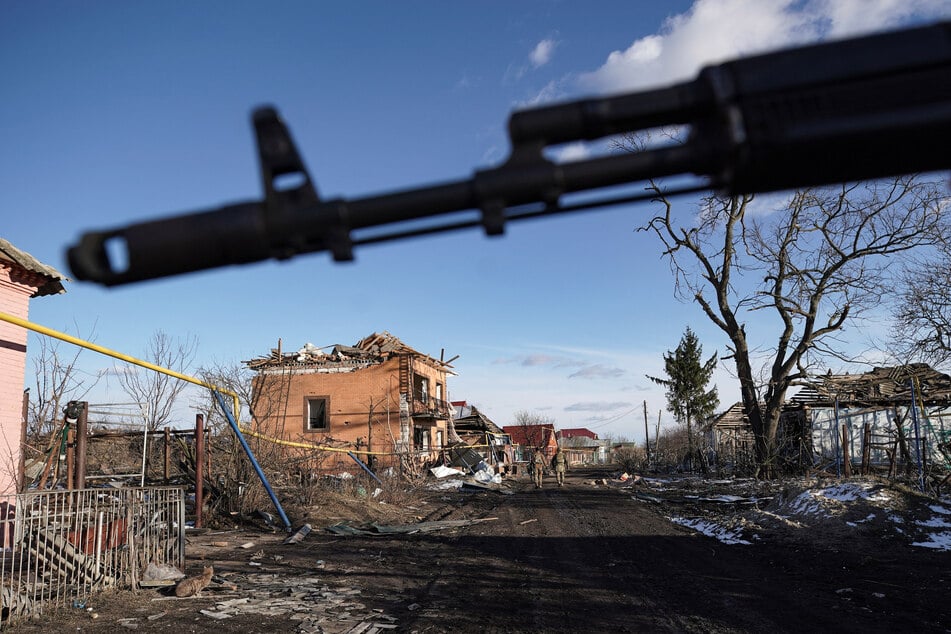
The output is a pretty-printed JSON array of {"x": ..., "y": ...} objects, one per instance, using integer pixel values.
[
  {"x": 835, "y": 437},
  {"x": 254, "y": 462},
  {"x": 914, "y": 419},
  {"x": 365, "y": 467}
]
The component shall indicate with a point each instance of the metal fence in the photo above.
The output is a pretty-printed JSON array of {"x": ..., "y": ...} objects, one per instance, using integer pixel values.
[{"x": 60, "y": 547}]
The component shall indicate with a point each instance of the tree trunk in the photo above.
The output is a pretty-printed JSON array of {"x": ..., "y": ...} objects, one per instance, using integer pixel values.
[{"x": 764, "y": 422}]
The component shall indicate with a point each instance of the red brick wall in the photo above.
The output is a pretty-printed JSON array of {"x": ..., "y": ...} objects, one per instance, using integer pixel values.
[{"x": 352, "y": 395}]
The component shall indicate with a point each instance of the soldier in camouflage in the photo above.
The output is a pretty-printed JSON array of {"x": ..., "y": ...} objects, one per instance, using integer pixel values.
[
  {"x": 538, "y": 468},
  {"x": 560, "y": 464}
]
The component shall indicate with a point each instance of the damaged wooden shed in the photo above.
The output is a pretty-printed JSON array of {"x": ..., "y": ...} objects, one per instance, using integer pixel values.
[{"x": 889, "y": 418}]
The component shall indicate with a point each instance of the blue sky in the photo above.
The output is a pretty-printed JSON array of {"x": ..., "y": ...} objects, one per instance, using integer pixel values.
[{"x": 116, "y": 112}]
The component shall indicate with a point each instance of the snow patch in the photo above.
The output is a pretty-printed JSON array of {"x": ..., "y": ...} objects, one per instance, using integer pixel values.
[
  {"x": 938, "y": 541},
  {"x": 711, "y": 529}
]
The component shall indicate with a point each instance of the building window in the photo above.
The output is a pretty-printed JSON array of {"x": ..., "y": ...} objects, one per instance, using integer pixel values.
[
  {"x": 421, "y": 388},
  {"x": 439, "y": 439},
  {"x": 439, "y": 396},
  {"x": 316, "y": 414},
  {"x": 421, "y": 438}
]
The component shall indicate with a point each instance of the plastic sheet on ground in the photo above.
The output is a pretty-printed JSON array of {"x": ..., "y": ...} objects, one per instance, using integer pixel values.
[{"x": 444, "y": 471}]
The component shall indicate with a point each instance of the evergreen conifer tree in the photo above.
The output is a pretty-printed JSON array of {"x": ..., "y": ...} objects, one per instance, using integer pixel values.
[{"x": 687, "y": 377}]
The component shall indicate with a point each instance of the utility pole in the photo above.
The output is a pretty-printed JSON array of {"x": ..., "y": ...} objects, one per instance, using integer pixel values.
[{"x": 647, "y": 438}]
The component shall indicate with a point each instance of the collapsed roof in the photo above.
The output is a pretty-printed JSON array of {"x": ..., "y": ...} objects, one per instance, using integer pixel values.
[
  {"x": 371, "y": 350},
  {"x": 879, "y": 386},
  {"x": 468, "y": 419}
]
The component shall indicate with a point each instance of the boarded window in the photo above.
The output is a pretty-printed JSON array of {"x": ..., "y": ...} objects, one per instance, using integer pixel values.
[{"x": 316, "y": 414}]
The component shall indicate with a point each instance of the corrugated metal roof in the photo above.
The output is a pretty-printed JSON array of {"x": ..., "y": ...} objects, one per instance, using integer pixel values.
[
  {"x": 468, "y": 418},
  {"x": 23, "y": 259}
]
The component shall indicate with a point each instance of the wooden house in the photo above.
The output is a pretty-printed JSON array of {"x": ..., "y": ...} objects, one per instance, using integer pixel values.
[{"x": 888, "y": 417}]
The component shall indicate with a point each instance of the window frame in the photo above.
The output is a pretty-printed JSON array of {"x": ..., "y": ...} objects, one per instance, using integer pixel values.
[{"x": 307, "y": 413}]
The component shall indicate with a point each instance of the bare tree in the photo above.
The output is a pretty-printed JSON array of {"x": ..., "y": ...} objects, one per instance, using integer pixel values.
[
  {"x": 923, "y": 311},
  {"x": 57, "y": 380},
  {"x": 814, "y": 265},
  {"x": 154, "y": 391},
  {"x": 532, "y": 425},
  {"x": 236, "y": 378}
]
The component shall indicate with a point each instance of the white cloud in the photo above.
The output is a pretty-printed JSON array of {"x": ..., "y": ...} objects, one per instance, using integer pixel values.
[
  {"x": 542, "y": 53},
  {"x": 597, "y": 406},
  {"x": 714, "y": 31},
  {"x": 551, "y": 91},
  {"x": 598, "y": 371}
]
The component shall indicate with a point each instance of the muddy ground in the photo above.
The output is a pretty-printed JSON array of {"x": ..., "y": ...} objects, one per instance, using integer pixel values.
[{"x": 595, "y": 556}]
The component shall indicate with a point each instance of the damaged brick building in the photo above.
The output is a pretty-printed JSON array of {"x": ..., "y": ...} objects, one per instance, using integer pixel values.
[{"x": 379, "y": 398}]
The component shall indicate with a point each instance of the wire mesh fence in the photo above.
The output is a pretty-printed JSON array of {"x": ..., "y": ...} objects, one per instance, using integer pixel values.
[{"x": 60, "y": 547}]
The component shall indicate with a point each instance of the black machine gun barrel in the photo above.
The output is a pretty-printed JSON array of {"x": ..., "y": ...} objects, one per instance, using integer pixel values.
[{"x": 854, "y": 109}]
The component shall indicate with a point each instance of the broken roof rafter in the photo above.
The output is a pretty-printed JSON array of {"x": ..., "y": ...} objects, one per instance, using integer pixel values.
[{"x": 375, "y": 348}]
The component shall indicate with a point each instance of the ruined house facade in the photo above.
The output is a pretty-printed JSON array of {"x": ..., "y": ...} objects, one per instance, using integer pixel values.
[
  {"x": 889, "y": 416},
  {"x": 379, "y": 398},
  {"x": 866, "y": 418},
  {"x": 482, "y": 435},
  {"x": 22, "y": 278}
]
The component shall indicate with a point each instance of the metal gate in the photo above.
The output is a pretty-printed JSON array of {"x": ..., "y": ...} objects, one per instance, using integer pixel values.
[{"x": 61, "y": 547}]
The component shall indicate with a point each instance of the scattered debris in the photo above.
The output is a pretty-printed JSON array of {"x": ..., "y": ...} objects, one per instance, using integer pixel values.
[
  {"x": 299, "y": 536},
  {"x": 316, "y": 606},
  {"x": 443, "y": 471},
  {"x": 159, "y": 575},
  {"x": 534, "y": 519}
]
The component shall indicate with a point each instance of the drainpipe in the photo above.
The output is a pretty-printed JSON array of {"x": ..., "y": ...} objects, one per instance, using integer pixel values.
[{"x": 254, "y": 462}]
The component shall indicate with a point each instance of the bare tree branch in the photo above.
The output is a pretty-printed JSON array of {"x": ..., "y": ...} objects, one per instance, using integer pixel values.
[
  {"x": 817, "y": 264},
  {"x": 155, "y": 391}
]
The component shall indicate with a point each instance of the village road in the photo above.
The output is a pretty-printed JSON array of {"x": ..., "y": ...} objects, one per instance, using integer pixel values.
[
  {"x": 591, "y": 559},
  {"x": 582, "y": 558}
]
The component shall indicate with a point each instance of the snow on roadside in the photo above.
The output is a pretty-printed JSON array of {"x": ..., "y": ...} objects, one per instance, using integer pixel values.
[
  {"x": 937, "y": 539},
  {"x": 849, "y": 509},
  {"x": 711, "y": 529}
]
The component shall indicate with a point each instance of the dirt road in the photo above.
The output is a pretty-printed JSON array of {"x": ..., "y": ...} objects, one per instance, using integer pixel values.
[{"x": 581, "y": 558}]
